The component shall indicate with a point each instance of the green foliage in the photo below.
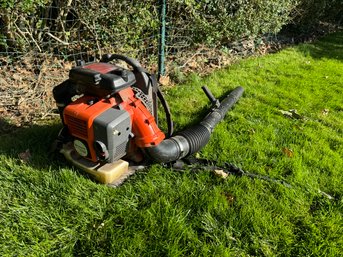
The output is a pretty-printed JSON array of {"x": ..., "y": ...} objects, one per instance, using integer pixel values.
[
  {"x": 23, "y": 7},
  {"x": 127, "y": 24},
  {"x": 133, "y": 26},
  {"x": 310, "y": 12},
  {"x": 19, "y": 20},
  {"x": 222, "y": 21},
  {"x": 48, "y": 207}
]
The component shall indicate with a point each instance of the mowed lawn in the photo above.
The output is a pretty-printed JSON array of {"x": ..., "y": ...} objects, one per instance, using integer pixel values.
[{"x": 49, "y": 208}]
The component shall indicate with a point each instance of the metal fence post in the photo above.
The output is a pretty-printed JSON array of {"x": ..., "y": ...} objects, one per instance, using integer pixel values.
[{"x": 162, "y": 38}]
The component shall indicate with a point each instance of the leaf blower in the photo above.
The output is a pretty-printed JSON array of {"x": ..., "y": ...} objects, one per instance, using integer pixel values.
[{"x": 110, "y": 120}]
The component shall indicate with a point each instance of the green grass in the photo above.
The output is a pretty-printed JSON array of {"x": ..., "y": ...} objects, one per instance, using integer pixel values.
[{"x": 48, "y": 207}]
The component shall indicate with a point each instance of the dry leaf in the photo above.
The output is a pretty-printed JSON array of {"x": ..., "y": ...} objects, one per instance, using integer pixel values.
[
  {"x": 221, "y": 173},
  {"x": 286, "y": 113},
  {"x": 229, "y": 197},
  {"x": 16, "y": 77},
  {"x": 212, "y": 65},
  {"x": 164, "y": 80},
  {"x": 193, "y": 64},
  {"x": 293, "y": 114},
  {"x": 68, "y": 65},
  {"x": 287, "y": 151},
  {"x": 3, "y": 82},
  {"x": 25, "y": 156},
  {"x": 325, "y": 112}
]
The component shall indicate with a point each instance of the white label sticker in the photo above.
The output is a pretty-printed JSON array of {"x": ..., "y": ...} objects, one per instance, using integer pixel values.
[{"x": 80, "y": 148}]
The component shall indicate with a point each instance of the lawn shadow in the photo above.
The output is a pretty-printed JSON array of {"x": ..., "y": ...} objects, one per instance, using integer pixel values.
[
  {"x": 30, "y": 144},
  {"x": 34, "y": 146},
  {"x": 330, "y": 46}
]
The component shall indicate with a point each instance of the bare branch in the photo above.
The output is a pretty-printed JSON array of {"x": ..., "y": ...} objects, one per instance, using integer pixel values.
[{"x": 57, "y": 39}]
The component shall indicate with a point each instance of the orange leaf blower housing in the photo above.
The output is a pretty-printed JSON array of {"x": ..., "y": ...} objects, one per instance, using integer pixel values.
[
  {"x": 109, "y": 117},
  {"x": 89, "y": 117}
]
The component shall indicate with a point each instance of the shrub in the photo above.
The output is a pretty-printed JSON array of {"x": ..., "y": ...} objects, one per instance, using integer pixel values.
[
  {"x": 222, "y": 21},
  {"x": 310, "y": 12},
  {"x": 133, "y": 26},
  {"x": 16, "y": 26}
]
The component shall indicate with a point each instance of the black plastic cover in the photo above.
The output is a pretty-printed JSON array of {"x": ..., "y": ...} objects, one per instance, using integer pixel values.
[
  {"x": 117, "y": 82},
  {"x": 111, "y": 82},
  {"x": 80, "y": 75}
]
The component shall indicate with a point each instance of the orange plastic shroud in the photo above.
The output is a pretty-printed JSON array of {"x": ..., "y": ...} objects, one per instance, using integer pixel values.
[{"x": 80, "y": 114}]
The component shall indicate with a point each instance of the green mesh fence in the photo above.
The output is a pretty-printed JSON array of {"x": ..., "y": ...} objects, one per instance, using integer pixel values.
[{"x": 40, "y": 40}]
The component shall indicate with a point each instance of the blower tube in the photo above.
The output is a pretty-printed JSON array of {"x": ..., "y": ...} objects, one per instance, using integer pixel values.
[{"x": 194, "y": 138}]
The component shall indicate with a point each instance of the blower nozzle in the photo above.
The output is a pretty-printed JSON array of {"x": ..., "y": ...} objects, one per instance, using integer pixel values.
[{"x": 194, "y": 138}]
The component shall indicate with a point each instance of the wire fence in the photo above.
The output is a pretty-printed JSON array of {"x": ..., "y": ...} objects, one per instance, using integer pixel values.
[
  {"x": 40, "y": 40},
  {"x": 40, "y": 43},
  {"x": 39, "y": 46}
]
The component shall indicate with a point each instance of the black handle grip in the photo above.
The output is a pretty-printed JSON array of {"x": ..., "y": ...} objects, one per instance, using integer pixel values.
[
  {"x": 209, "y": 94},
  {"x": 133, "y": 62}
]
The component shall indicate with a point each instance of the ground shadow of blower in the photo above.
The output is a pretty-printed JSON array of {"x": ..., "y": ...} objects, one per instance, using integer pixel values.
[{"x": 32, "y": 146}]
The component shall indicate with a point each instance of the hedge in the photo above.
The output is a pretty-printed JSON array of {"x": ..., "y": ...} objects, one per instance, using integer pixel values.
[{"x": 69, "y": 25}]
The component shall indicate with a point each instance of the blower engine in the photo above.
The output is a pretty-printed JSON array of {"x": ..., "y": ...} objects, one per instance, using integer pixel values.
[{"x": 109, "y": 116}]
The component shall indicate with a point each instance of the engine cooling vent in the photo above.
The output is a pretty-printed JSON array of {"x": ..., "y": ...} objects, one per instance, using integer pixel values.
[
  {"x": 120, "y": 150},
  {"x": 76, "y": 126}
]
